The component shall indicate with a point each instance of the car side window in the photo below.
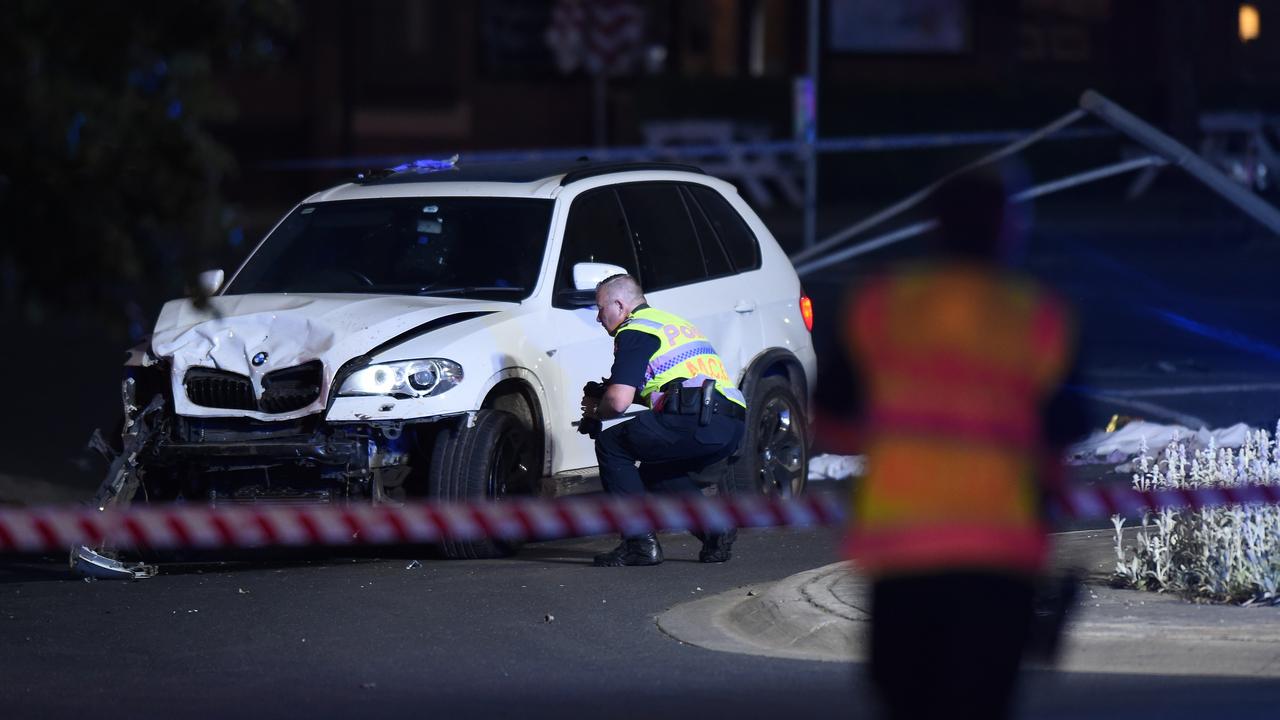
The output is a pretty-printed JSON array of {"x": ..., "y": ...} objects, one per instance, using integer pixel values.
[
  {"x": 734, "y": 232},
  {"x": 713, "y": 253},
  {"x": 663, "y": 234},
  {"x": 595, "y": 232}
]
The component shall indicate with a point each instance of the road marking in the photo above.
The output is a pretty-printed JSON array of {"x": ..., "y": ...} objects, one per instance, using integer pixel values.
[{"x": 1195, "y": 390}]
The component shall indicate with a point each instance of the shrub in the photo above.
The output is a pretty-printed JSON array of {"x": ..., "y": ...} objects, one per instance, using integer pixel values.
[{"x": 1229, "y": 553}]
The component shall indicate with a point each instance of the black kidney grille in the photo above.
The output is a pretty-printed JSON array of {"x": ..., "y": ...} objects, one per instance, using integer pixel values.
[
  {"x": 282, "y": 390},
  {"x": 291, "y": 388},
  {"x": 220, "y": 389}
]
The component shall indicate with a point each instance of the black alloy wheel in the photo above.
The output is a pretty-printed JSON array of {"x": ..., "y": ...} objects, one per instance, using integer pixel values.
[
  {"x": 488, "y": 458},
  {"x": 774, "y": 457}
]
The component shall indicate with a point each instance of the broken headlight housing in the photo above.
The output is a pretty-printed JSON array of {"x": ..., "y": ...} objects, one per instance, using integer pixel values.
[{"x": 403, "y": 379}]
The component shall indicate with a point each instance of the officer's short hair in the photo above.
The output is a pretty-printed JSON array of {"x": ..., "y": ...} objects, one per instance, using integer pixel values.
[{"x": 622, "y": 285}]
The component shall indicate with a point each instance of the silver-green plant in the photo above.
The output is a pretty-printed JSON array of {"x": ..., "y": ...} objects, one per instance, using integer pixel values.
[{"x": 1229, "y": 553}]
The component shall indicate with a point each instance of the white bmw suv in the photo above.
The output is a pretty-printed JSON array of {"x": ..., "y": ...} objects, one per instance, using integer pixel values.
[{"x": 426, "y": 331}]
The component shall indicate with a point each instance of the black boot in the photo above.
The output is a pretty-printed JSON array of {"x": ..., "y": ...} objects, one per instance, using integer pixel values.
[
  {"x": 638, "y": 550},
  {"x": 716, "y": 546}
]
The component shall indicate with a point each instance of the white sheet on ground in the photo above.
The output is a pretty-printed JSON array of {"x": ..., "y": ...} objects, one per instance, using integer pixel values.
[
  {"x": 1100, "y": 448},
  {"x": 1116, "y": 447}
]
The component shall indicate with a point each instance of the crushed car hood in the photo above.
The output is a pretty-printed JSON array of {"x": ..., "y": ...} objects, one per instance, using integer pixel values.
[{"x": 255, "y": 334}]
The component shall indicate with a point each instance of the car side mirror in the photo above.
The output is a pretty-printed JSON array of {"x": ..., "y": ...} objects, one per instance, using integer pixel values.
[
  {"x": 587, "y": 275},
  {"x": 209, "y": 282}
]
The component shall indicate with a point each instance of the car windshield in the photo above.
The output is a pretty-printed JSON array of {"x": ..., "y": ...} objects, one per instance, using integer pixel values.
[{"x": 489, "y": 247}]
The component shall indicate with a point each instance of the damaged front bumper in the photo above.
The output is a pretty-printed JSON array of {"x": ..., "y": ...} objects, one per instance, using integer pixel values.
[{"x": 164, "y": 457}]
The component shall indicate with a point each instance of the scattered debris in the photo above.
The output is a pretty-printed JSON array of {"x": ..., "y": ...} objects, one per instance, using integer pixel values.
[
  {"x": 94, "y": 565},
  {"x": 413, "y": 565},
  {"x": 836, "y": 467}
]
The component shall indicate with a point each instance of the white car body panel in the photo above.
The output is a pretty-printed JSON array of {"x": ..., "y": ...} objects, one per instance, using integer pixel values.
[
  {"x": 553, "y": 350},
  {"x": 291, "y": 329},
  {"x": 583, "y": 352}
]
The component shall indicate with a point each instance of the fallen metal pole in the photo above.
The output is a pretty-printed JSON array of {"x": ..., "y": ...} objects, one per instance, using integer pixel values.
[
  {"x": 919, "y": 196},
  {"x": 1089, "y": 176},
  {"x": 1182, "y": 156},
  {"x": 862, "y": 248},
  {"x": 924, "y": 226}
]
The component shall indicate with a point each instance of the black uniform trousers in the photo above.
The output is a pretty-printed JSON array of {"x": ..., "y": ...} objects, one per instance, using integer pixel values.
[
  {"x": 949, "y": 645},
  {"x": 671, "y": 449}
]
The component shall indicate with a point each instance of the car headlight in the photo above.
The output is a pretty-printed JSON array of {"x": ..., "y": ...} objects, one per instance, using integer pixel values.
[{"x": 403, "y": 379}]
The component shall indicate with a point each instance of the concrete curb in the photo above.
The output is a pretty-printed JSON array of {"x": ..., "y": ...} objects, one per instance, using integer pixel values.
[
  {"x": 786, "y": 619},
  {"x": 821, "y": 614}
]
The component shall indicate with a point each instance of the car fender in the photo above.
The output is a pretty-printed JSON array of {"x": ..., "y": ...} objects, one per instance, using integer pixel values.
[
  {"x": 540, "y": 412},
  {"x": 777, "y": 361}
]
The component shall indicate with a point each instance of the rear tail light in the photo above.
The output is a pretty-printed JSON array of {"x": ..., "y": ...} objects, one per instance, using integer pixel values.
[{"x": 806, "y": 311}]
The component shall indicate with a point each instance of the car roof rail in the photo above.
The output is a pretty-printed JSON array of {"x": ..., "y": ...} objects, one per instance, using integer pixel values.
[{"x": 607, "y": 168}]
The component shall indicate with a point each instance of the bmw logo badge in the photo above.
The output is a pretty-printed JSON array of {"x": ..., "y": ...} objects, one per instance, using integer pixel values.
[{"x": 259, "y": 359}]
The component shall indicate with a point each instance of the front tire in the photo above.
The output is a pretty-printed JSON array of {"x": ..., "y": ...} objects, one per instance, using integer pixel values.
[
  {"x": 774, "y": 457},
  {"x": 488, "y": 460}
]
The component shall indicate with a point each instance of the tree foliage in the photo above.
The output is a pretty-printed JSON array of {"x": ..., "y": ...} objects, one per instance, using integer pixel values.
[{"x": 109, "y": 174}]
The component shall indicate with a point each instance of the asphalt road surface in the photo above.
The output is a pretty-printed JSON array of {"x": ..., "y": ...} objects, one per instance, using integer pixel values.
[{"x": 542, "y": 635}]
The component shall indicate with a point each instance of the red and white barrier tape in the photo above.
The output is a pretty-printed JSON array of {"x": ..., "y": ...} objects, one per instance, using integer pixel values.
[
  {"x": 169, "y": 527},
  {"x": 1103, "y": 502}
]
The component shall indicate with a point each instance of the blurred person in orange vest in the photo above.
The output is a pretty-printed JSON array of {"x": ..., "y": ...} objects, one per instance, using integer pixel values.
[{"x": 957, "y": 367}]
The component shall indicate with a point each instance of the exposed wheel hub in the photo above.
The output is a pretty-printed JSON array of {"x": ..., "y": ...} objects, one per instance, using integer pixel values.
[{"x": 780, "y": 449}]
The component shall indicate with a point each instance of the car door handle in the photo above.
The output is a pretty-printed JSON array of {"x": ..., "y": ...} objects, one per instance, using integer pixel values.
[{"x": 745, "y": 306}]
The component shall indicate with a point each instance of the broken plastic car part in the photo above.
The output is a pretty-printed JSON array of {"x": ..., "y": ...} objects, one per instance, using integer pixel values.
[{"x": 120, "y": 485}]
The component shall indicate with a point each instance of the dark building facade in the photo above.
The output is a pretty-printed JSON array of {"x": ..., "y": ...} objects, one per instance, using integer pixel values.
[{"x": 403, "y": 77}]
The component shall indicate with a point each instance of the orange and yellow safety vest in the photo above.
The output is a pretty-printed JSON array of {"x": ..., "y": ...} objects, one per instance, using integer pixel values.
[{"x": 957, "y": 364}]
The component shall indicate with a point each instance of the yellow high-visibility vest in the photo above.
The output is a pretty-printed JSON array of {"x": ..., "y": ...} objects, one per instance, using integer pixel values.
[{"x": 683, "y": 353}]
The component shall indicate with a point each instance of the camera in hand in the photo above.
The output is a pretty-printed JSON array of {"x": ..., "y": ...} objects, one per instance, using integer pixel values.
[{"x": 594, "y": 390}]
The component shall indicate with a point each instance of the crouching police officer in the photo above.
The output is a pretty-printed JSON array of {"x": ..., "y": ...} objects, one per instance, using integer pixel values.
[{"x": 695, "y": 420}]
